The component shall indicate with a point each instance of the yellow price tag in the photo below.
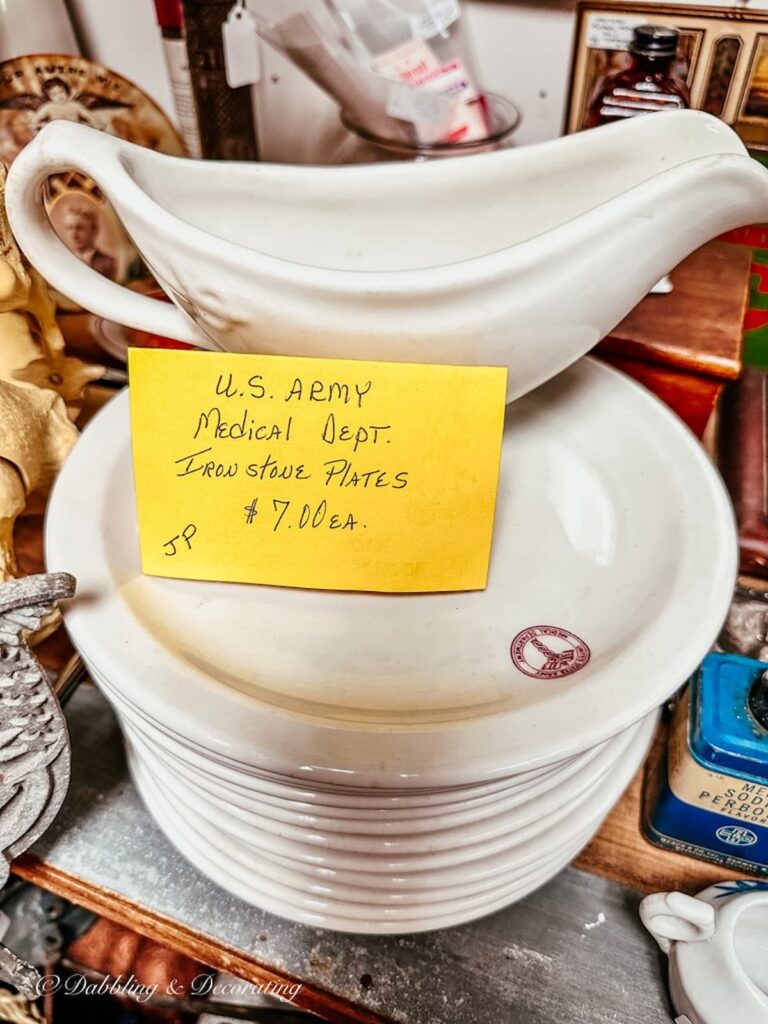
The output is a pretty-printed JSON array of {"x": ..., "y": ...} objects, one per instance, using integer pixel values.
[{"x": 323, "y": 473}]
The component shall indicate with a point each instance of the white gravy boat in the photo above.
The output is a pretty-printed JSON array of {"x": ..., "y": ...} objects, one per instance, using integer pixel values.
[
  {"x": 522, "y": 258},
  {"x": 717, "y": 943}
]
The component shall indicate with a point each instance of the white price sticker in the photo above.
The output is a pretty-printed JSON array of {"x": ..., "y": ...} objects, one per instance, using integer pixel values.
[
  {"x": 611, "y": 31},
  {"x": 242, "y": 63}
]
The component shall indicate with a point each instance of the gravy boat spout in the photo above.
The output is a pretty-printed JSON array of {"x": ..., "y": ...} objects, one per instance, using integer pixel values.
[{"x": 522, "y": 258}]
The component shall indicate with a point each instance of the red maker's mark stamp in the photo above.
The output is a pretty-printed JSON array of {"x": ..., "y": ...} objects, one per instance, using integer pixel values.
[{"x": 548, "y": 652}]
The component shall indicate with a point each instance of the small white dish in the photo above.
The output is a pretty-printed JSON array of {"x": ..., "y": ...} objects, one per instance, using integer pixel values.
[{"x": 717, "y": 943}]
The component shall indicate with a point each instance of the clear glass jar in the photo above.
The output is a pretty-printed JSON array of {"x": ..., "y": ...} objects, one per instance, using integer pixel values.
[{"x": 361, "y": 146}]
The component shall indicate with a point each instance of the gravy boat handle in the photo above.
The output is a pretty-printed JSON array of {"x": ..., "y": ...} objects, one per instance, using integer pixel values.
[
  {"x": 676, "y": 917},
  {"x": 52, "y": 154}
]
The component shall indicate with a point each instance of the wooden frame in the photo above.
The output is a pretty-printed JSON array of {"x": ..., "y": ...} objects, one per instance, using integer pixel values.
[{"x": 724, "y": 58}]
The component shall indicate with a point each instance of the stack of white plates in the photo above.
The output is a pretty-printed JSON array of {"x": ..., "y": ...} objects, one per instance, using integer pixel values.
[{"x": 391, "y": 763}]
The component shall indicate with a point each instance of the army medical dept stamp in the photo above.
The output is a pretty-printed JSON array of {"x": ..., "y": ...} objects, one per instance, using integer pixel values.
[{"x": 548, "y": 652}]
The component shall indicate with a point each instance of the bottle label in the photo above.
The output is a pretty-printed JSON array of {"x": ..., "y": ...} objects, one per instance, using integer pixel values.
[
  {"x": 611, "y": 31},
  {"x": 183, "y": 98},
  {"x": 623, "y": 103}
]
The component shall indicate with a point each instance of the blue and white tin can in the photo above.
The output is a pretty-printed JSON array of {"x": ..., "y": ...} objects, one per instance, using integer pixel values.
[{"x": 711, "y": 796}]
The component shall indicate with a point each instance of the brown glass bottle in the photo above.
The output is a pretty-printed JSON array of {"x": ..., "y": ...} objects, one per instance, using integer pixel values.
[{"x": 646, "y": 84}]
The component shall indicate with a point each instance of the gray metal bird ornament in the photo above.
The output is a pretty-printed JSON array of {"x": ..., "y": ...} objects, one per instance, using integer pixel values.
[{"x": 34, "y": 742}]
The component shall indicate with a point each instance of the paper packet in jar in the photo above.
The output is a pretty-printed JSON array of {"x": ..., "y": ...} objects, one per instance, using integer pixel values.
[{"x": 420, "y": 44}]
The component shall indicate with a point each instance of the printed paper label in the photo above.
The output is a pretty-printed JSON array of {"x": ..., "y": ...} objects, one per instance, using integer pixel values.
[
  {"x": 408, "y": 63},
  {"x": 690, "y": 782}
]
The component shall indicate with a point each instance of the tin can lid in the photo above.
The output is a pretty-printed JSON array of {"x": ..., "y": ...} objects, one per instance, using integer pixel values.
[{"x": 724, "y": 733}]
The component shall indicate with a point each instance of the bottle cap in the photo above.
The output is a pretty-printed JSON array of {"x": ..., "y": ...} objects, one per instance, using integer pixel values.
[
  {"x": 654, "y": 41},
  {"x": 169, "y": 14}
]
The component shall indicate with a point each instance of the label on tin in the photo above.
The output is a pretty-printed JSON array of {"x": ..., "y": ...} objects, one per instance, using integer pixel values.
[{"x": 690, "y": 782}]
